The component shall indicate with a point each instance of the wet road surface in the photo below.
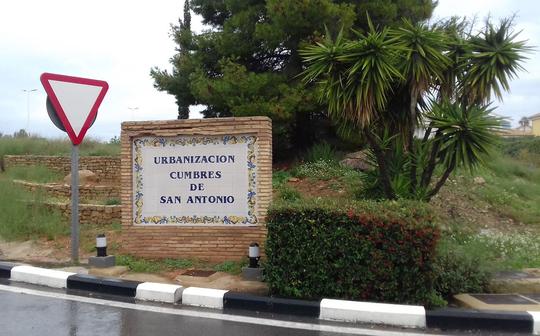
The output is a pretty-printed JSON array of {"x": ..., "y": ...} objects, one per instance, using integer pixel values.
[
  {"x": 23, "y": 314},
  {"x": 28, "y": 312}
]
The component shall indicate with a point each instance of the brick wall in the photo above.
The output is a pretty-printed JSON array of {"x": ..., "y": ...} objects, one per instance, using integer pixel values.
[
  {"x": 215, "y": 243},
  {"x": 90, "y": 213},
  {"x": 107, "y": 168},
  {"x": 86, "y": 193}
]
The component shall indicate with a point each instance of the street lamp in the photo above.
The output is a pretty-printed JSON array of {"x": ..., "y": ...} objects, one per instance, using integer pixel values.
[
  {"x": 28, "y": 107},
  {"x": 133, "y": 109}
]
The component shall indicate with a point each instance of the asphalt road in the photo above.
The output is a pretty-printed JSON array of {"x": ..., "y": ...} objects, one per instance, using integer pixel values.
[
  {"x": 27, "y": 314},
  {"x": 27, "y": 311}
]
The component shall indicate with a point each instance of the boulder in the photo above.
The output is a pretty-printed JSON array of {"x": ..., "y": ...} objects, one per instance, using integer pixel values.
[
  {"x": 357, "y": 160},
  {"x": 86, "y": 177},
  {"x": 479, "y": 180}
]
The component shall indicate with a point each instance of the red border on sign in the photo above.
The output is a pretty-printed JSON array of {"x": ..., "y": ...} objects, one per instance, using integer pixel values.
[{"x": 46, "y": 77}]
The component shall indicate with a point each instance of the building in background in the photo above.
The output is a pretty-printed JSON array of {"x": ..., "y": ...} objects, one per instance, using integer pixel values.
[{"x": 535, "y": 124}]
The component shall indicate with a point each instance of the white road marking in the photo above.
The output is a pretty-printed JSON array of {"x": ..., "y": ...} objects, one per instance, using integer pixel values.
[{"x": 215, "y": 316}]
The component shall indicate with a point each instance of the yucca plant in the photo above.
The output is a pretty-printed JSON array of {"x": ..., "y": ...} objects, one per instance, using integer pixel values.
[
  {"x": 495, "y": 58},
  {"x": 378, "y": 83},
  {"x": 355, "y": 78},
  {"x": 466, "y": 136},
  {"x": 423, "y": 62}
]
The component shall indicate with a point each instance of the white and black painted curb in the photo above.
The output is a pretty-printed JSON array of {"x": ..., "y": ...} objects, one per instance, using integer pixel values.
[{"x": 326, "y": 309}]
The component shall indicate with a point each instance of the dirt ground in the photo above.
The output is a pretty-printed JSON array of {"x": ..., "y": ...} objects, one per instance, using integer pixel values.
[{"x": 452, "y": 204}]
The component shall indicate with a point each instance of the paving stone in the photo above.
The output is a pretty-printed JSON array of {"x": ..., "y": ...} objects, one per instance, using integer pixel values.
[{"x": 502, "y": 299}]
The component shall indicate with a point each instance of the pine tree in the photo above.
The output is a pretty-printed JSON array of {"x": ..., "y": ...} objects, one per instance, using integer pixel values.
[{"x": 248, "y": 63}]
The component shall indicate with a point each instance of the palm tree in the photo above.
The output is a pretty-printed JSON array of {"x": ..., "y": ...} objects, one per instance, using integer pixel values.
[{"x": 524, "y": 123}]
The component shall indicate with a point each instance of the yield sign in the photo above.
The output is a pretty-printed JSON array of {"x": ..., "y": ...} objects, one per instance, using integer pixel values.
[{"x": 76, "y": 101}]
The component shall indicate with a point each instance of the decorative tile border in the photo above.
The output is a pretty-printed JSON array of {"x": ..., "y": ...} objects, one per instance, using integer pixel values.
[{"x": 184, "y": 141}]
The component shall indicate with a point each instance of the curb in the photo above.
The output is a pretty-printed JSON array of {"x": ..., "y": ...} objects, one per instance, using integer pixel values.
[
  {"x": 5, "y": 270},
  {"x": 233, "y": 300},
  {"x": 102, "y": 285},
  {"x": 326, "y": 309},
  {"x": 464, "y": 319}
]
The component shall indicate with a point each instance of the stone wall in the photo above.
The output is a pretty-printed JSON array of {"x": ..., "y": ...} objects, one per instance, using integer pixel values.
[
  {"x": 90, "y": 213},
  {"x": 86, "y": 193},
  {"x": 215, "y": 243},
  {"x": 107, "y": 168}
]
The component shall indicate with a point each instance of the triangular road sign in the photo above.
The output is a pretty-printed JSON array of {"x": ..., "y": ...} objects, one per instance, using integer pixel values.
[{"x": 76, "y": 101}]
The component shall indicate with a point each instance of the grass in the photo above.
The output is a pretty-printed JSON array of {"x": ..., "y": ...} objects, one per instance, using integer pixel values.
[
  {"x": 112, "y": 201},
  {"x": 321, "y": 152},
  {"x": 231, "y": 267},
  {"x": 23, "y": 218},
  {"x": 35, "y": 145},
  {"x": 142, "y": 265},
  {"x": 497, "y": 251},
  {"x": 513, "y": 188},
  {"x": 288, "y": 193},
  {"x": 39, "y": 174}
]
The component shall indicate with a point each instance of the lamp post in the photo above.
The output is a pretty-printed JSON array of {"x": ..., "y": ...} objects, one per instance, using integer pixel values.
[
  {"x": 253, "y": 272},
  {"x": 133, "y": 109},
  {"x": 28, "y": 108}
]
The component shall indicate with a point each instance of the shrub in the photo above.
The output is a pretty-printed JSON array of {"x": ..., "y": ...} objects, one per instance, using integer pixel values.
[
  {"x": 526, "y": 149},
  {"x": 458, "y": 272},
  {"x": 321, "y": 151},
  {"x": 360, "y": 251}
]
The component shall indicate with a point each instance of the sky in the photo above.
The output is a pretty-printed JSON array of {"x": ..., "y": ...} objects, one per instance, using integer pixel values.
[{"x": 120, "y": 41}]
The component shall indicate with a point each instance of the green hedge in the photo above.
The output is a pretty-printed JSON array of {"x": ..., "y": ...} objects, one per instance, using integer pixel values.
[{"x": 376, "y": 251}]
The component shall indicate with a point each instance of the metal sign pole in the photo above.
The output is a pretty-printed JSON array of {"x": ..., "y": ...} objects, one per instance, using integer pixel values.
[{"x": 75, "y": 204}]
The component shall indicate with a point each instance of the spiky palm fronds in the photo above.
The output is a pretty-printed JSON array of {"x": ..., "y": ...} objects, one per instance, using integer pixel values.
[
  {"x": 354, "y": 77},
  {"x": 467, "y": 134},
  {"x": 496, "y": 57}
]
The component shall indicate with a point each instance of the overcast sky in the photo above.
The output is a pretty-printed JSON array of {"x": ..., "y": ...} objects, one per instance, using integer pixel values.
[{"x": 119, "y": 41}]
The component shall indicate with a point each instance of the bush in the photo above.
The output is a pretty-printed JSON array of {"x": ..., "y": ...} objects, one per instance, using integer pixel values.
[
  {"x": 360, "y": 251},
  {"x": 458, "y": 272},
  {"x": 526, "y": 149}
]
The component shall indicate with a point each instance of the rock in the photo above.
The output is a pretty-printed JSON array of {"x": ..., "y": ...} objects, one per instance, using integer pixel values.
[
  {"x": 86, "y": 177},
  {"x": 357, "y": 160},
  {"x": 479, "y": 180},
  {"x": 294, "y": 179}
]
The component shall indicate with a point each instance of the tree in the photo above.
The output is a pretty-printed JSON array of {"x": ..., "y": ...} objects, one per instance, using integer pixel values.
[
  {"x": 524, "y": 123},
  {"x": 247, "y": 62},
  {"x": 390, "y": 81}
]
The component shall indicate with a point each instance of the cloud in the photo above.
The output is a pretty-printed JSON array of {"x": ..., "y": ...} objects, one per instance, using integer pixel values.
[{"x": 119, "y": 41}]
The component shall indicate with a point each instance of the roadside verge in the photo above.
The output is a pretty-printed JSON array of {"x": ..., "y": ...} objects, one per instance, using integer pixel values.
[{"x": 408, "y": 316}]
